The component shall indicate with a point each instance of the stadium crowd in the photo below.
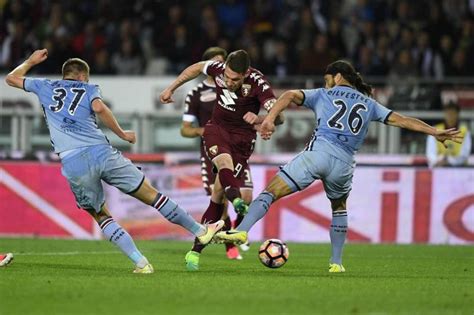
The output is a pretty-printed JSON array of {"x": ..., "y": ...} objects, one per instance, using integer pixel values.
[{"x": 424, "y": 38}]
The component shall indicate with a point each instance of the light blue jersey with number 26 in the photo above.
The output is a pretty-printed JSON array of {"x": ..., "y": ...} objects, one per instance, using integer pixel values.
[
  {"x": 343, "y": 116},
  {"x": 67, "y": 106}
]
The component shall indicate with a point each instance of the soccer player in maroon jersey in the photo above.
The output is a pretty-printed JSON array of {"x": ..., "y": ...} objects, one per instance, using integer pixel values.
[
  {"x": 199, "y": 105},
  {"x": 230, "y": 135}
]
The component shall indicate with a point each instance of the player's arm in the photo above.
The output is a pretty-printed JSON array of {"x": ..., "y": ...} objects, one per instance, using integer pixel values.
[
  {"x": 189, "y": 131},
  {"x": 288, "y": 97},
  {"x": 414, "y": 124},
  {"x": 17, "y": 76},
  {"x": 107, "y": 117},
  {"x": 188, "y": 74}
]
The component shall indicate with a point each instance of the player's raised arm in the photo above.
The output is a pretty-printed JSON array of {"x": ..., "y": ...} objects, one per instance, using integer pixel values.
[
  {"x": 288, "y": 97},
  {"x": 107, "y": 117},
  {"x": 411, "y": 123},
  {"x": 17, "y": 76},
  {"x": 188, "y": 74}
]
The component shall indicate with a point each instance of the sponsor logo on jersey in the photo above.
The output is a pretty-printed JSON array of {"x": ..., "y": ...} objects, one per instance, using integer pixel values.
[
  {"x": 246, "y": 89},
  {"x": 227, "y": 100},
  {"x": 214, "y": 149}
]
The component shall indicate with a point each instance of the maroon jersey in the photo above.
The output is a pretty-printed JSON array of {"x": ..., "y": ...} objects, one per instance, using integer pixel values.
[
  {"x": 199, "y": 104},
  {"x": 232, "y": 106}
]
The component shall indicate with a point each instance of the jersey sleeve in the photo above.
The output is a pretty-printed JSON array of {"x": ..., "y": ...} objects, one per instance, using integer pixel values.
[
  {"x": 266, "y": 96},
  {"x": 191, "y": 107},
  {"x": 213, "y": 68},
  {"x": 33, "y": 85},
  {"x": 95, "y": 93},
  {"x": 380, "y": 113},
  {"x": 311, "y": 98}
]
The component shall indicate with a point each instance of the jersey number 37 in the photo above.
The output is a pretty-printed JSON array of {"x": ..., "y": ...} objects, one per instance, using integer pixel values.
[{"x": 60, "y": 95}]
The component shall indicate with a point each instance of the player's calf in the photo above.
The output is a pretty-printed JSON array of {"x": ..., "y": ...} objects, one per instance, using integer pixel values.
[{"x": 113, "y": 232}]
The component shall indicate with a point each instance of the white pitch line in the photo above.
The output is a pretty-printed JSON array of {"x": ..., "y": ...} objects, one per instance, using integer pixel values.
[{"x": 68, "y": 253}]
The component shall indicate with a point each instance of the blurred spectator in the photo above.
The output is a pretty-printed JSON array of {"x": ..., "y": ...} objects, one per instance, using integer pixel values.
[
  {"x": 429, "y": 62},
  {"x": 315, "y": 59},
  {"x": 458, "y": 66},
  {"x": 102, "y": 63},
  {"x": 403, "y": 66},
  {"x": 455, "y": 154},
  {"x": 280, "y": 64},
  {"x": 127, "y": 61}
]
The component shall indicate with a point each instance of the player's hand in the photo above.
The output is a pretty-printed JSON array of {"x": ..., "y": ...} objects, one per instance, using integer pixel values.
[
  {"x": 38, "y": 56},
  {"x": 129, "y": 136},
  {"x": 449, "y": 134},
  {"x": 267, "y": 128},
  {"x": 250, "y": 118},
  {"x": 166, "y": 96}
]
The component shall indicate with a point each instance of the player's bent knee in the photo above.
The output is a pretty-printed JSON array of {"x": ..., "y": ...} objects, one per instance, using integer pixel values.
[
  {"x": 278, "y": 188},
  {"x": 223, "y": 160},
  {"x": 99, "y": 216},
  {"x": 339, "y": 204}
]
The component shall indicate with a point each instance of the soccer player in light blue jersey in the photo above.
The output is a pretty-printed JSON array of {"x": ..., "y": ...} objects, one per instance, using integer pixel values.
[
  {"x": 70, "y": 107},
  {"x": 344, "y": 109}
]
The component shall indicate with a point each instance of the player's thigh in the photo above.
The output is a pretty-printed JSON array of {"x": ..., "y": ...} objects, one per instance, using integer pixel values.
[
  {"x": 338, "y": 183},
  {"x": 304, "y": 169},
  {"x": 216, "y": 142},
  {"x": 120, "y": 172},
  {"x": 82, "y": 172}
]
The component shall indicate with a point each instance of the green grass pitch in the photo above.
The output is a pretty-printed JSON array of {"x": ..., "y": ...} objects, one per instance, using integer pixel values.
[{"x": 92, "y": 277}]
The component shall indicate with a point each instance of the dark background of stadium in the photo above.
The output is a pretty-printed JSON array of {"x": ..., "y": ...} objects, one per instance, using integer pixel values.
[{"x": 397, "y": 38}]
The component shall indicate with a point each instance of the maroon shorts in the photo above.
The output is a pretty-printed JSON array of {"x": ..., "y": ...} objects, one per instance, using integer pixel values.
[{"x": 238, "y": 143}]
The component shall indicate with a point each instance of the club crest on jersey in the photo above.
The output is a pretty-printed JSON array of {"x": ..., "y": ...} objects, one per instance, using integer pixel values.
[
  {"x": 213, "y": 150},
  {"x": 246, "y": 89}
]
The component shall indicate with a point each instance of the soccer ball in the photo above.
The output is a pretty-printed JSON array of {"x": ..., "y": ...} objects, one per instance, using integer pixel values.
[{"x": 273, "y": 253}]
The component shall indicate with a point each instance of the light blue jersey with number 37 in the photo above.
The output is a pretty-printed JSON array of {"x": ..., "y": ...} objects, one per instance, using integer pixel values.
[
  {"x": 343, "y": 115},
  {"x": 67, "y": 106}
]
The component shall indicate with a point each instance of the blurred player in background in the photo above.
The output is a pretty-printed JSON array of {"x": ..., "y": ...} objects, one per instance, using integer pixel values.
[
  {"x": 5, "y": 259},
  {"x": 70, "y": 107},
  {"x": 344, "y": 109},
  {"x": 454, "y": 154},
  {"x": 230, "y": 135},
  {"x": 199, "y": 105}
]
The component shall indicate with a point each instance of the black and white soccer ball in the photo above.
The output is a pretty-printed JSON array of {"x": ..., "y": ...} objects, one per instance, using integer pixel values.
[{"x": 273, "y": 253}]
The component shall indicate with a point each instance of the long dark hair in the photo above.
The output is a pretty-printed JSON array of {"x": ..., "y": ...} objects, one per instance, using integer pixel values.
[{"x": 349, "y": 73}]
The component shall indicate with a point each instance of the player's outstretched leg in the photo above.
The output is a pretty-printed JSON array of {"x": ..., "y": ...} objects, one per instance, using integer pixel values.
[
  {"x": 337, "y": 233},
  {"x": 175, "y": 214},
  {"x": 5, "y": 259},
  {"x": 212, "y": 214},
  {"x": 117, "y": 235},
  {"x": 277, "y": 189}
]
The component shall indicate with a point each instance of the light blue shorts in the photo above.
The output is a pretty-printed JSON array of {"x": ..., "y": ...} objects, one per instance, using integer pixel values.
[
  {"x": 322, "y": 163},
  {"x": 85, "y": 171}
]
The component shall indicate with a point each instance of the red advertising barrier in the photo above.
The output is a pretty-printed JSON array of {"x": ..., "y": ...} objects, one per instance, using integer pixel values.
[{"x": 387, "y": 204}]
